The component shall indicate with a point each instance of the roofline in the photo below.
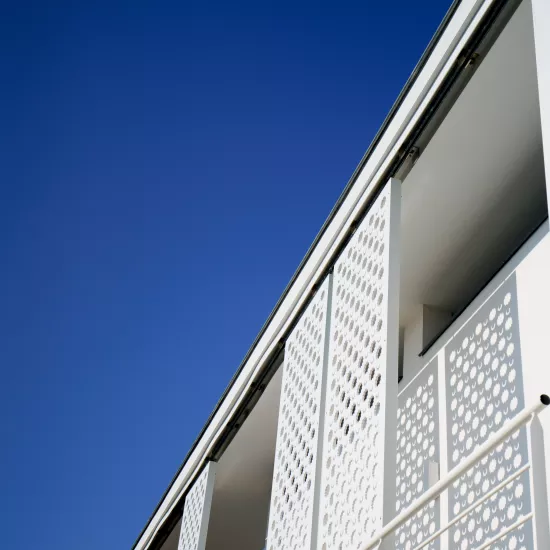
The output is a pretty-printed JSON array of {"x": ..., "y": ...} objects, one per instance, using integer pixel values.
[{"x": 471, "y": 17}]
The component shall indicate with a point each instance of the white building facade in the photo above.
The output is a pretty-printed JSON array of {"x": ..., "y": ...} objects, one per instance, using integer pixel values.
[{"x": 396, "y": 396}]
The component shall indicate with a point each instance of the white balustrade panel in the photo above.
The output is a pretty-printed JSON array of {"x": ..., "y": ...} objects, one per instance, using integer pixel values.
[
  {"x": 196, "y": 511},
  {"x": 358, "y": 468},
  {"x": 417, "y": 453},
  {"x": 484, "y": 390},
  {"x": 293, "y": 499}
]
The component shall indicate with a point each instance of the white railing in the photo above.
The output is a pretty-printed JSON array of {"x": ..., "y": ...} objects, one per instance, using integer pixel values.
[{"x": 435, "y": 491}]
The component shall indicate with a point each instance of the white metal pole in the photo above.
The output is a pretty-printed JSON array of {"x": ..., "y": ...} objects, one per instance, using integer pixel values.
[
  {"x": 504, "y": 532},
  {"x": 471, "y": 508}
]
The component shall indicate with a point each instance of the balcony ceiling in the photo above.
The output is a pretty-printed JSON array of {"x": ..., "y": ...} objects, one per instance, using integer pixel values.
[{"x": 478, "y": 187}]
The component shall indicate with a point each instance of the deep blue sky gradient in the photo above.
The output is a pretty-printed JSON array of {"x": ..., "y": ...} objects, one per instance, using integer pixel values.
[{"x": 164, "y": 168}]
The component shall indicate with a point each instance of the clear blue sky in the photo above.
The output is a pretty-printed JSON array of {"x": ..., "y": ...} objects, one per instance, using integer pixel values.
[{"x": 164, "y": 168}]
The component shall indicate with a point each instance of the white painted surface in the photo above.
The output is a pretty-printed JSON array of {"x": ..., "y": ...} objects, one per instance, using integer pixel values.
[
  {"x": 196, "y": 511},
  {"x": 293, "y": 511},
  {"x": 417, "y": 456},
  {"x": 520, "y": 319},
  {"x": 533, "y": 279},
  {"x": 484, "y": 393},
  {"x": 356, "y": 486},
  {"x": 443, "y": 459},
  {"x": 463, "y": 468}
]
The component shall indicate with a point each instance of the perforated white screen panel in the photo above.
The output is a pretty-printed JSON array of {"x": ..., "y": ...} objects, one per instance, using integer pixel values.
[
  {"x": 294, "y": 479},
  {"x": 484, "y": 390},
  {"x": 417, "y": 449},
  {"x": 360, "y": 424},
  {"x": 196, "y": 511}
]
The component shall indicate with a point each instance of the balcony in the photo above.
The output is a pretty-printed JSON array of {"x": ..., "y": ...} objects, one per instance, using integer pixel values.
[{"x": 476, "y": 377}]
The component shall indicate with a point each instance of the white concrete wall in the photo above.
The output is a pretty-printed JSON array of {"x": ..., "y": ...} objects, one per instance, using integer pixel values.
[{"x": 533, "y": 284}]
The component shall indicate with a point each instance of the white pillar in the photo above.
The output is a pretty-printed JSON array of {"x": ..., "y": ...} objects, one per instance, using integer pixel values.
[
  {"x": 443, "y": 444},
  {"x": 541, "y": 26},
  {"x": 533, "y": 282}
]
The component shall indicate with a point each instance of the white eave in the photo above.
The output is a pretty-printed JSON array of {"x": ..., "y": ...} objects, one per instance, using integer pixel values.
[{"x": 457, "y": 29}]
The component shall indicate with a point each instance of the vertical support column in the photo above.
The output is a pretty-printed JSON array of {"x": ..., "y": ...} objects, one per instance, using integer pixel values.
[
  {"x": 196, "y": 511},
  {"x": 541, "y": 26},
  {"x": 533, "y": 276},
  {"x": 295, "y": 492},
  {"x": 535, "y": 437},
  {"x": 443, "y": 444},
  {"x": 359, "y": 449}
]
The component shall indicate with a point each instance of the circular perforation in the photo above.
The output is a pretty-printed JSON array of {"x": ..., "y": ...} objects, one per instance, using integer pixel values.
[
  {"x": 291, "y": 516},
  {"x": 485, "y": 389},
  {"x": 193, "y": 514},
  {"x": 417, "y": 445},
  {"x": 352, "y": 470}
]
